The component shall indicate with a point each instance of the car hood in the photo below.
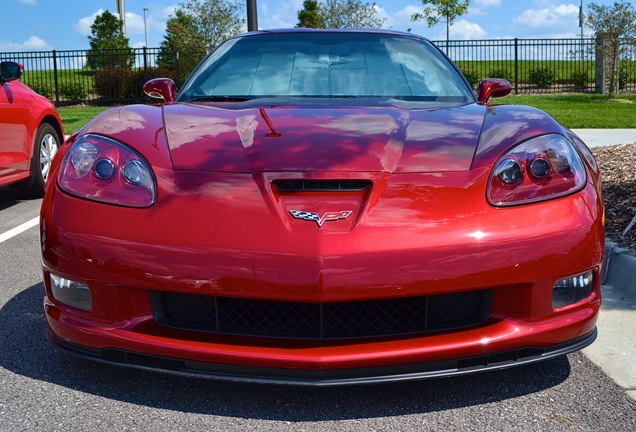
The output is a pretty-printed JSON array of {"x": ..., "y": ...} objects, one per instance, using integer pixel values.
[{"x": 233, "y": 138}]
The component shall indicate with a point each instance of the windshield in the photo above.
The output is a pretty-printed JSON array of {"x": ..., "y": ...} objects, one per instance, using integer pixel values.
[{"x": 326, "y": 65}]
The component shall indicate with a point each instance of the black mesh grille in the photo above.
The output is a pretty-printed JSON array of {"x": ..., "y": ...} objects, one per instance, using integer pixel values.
[
  {"x": 321, "y": 185},
  {"x": 321, "y": 321}
]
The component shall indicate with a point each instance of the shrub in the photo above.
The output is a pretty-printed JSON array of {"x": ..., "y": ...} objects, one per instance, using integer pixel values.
[
  {"x": 42, "y": 88},
  {"x": 542, "y": 77},
  {"x": 625, "y": 73},
  {"x": 502, "y": 73},
  {"x": 73, "y": 91},
  {"x": 580, "y": 78},
  {"x": 121, "y": 83},
  {"x": 472, "y": 76},
  {"x": 114, "y": 83}
]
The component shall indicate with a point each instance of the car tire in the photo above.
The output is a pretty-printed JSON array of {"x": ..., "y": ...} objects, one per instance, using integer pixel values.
[{"x": 45, "y": 146}]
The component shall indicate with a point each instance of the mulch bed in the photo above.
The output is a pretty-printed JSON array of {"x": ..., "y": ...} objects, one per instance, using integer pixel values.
[{"x": 618, "y": 173}]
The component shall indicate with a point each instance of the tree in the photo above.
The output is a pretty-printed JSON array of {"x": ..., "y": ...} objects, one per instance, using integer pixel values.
[
  {"x": 310, "y": 16},
  {"x": 108, "y": 45},
  {"x": 195, "y": 29},
  {"x": 615, "y": 29},
  {"x": 214, "y": 21},
  {"x": 339, "y": 14},
  {"x": 181, "y": 49},
  {"x": 438, "y": 9}
]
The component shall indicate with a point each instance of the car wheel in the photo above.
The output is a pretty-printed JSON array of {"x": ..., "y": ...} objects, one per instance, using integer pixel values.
[{"x": 45, "y": 147}]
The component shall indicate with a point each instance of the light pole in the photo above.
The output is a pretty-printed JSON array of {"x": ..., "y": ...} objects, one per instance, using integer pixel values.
[
  {"x": 146, "y": 27},
  {"x": 121, "y": 10},
  {"x": 252, "y": 19},
  {"x": 581, "y": 24},
  {"x": 146, "y": 33}
]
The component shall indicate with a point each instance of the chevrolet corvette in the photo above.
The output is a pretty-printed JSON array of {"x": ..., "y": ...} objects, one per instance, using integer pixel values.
[
  {"x": 30, "y": 132},
  {"x": 323, "y": 207}
]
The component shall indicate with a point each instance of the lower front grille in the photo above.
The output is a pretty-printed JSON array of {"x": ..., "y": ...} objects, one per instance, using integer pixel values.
[{"x": 321, "y": 321}]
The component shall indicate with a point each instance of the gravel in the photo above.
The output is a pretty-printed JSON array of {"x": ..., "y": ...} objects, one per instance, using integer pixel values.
[{"x": 618, "y": 173}]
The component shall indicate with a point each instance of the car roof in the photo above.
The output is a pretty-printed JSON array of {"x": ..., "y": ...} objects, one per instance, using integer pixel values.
[{"x": 343, "y": 31}]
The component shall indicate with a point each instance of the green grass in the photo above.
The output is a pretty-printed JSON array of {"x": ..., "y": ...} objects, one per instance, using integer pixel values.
[
  {"x": 75, "y": 117},
  {"x": 572, "y": 110},
  {"x": 582, "y": 110}
]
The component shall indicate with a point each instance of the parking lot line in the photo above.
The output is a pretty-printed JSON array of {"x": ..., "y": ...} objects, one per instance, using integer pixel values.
[{"x": 19, "y": 229}]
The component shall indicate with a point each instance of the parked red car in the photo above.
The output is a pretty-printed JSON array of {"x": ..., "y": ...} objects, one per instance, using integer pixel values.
[
  {"x": 31, "y": 132},
  {"x": 323, "y": 207}
]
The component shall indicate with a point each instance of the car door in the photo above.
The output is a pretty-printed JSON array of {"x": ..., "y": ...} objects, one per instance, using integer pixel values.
[{"x": 13, "y": 130}]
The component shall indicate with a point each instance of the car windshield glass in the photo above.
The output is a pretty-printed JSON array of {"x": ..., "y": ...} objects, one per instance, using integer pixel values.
[{"x": 326, "y": 65}]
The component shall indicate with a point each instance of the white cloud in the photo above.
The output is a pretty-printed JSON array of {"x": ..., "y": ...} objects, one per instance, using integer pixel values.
[
  {"x": 466, "y": 30},
  {"x": 488, "y": 3},
  {"x": 158, "y": 18},
  {"x": 29, "y": 2},
  {"x": 135, "y": 29},
  {"x": 381, "y": 13},
  {"x": 33, "y": 43},
  {"x": 552, "y": 16},
  {"x": 405, "y": 14},
  {"x": 286, "y": 15},
  {"x": 83, "y": 25},
  {"x": 480, "y": 6},
  {"x": 135, "y": 23}
]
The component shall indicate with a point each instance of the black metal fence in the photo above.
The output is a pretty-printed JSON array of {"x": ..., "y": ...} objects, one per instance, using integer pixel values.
[
  {"x": 542, "y": 65},
  {"x": 66, "y": 77},
  {"x": 531, "y": 65}
]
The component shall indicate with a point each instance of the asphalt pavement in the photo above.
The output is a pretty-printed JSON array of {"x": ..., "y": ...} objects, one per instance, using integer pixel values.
[
  {"x": 615, "y": 348},
  {"x": 44, "y": 389}
]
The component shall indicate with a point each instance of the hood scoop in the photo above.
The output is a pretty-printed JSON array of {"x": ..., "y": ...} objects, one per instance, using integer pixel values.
[{"x": 321, "y": 185}]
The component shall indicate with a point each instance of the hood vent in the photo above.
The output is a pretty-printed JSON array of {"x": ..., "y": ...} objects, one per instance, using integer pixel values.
[{"x": 321, "y": 185}]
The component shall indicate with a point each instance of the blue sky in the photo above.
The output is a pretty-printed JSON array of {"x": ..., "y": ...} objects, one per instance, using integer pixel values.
[{"x": 44, "y": 25}]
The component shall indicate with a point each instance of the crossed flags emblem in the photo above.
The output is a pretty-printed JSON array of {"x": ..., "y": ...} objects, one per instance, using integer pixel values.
[{"x": 320, "y": 220}]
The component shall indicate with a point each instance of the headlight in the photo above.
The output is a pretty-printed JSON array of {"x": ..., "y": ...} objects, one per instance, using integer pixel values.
[
  {"x": 540, "y": 169},
  {"x": 101, "y": 169}
]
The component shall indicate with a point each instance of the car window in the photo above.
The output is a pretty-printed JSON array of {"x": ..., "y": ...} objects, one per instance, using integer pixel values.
[{"x": 327, "y": 65}]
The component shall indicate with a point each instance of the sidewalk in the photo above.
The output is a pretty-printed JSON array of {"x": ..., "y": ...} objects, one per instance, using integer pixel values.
[
  {"x": 606, "y": 137},
  {"x": 614, "y": 350}
]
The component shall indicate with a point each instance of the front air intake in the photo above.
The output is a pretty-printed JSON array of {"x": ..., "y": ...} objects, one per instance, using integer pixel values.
[{"x": 322, "y": 321}]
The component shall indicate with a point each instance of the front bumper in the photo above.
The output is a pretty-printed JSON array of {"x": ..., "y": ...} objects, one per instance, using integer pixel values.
[
  {"x": 518, "y": 253},
  {"x": 422, "y": 370}
]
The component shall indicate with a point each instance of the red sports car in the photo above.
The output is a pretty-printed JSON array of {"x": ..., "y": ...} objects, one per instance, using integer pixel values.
[
  {"x": 30, "y": 132},
  {"x": 323, "y": 207}
]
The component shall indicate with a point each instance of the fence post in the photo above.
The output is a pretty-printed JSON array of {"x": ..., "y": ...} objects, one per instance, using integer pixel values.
[
  {"x": 601, "y": 86},
  {"x": 56, "y": 80},
  {"x": 516, "y": 66},
  {"x": 145, "y": 64}
]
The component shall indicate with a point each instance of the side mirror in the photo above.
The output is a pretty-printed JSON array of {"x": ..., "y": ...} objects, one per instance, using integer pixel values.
[
  {"x": 10, "y": 71},
  {"x": 493, "y": 88},
  {"x": 161, "y": 88}
]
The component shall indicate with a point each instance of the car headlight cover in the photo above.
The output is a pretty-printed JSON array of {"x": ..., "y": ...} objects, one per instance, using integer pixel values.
[
  {"x": 542, "y": 168},
  {"x": 101, "y": 169}
]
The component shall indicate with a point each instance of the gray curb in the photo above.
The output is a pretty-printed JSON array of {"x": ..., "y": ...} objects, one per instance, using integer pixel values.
[{"x": 615, "y": 348}]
